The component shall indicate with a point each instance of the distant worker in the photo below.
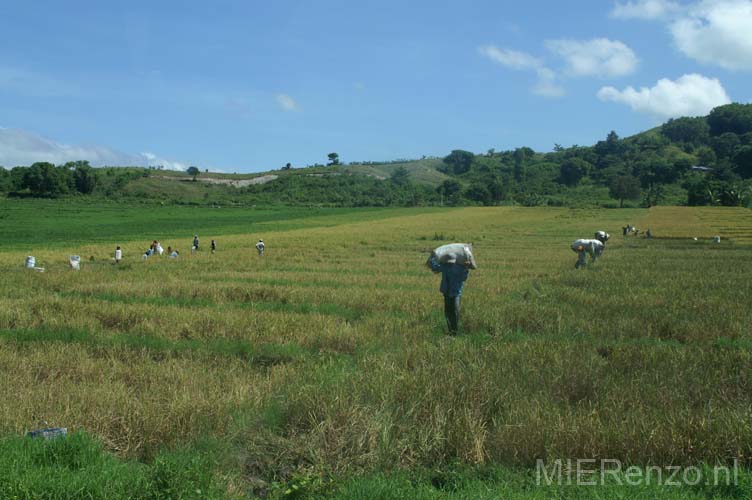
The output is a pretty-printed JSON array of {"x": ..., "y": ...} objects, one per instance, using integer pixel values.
[
  {"x": 648, "y": 234},
  {"x": 213, "y": 246},
  {"x": 118, "y": 254},
  {"x": 453, "y": 277},
  {"x": 194, "y": 248},
  {"x": 602, "y": 236},
  {"x": 624, "y": 230},
  {"x": 260, "y": 247},
  {"x": 593, "y": 247}
]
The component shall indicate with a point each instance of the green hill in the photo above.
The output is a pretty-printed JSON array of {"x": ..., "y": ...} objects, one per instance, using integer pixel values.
[
  {"x": 694, "y": 161},
  {"x": 424, "y": 171}
]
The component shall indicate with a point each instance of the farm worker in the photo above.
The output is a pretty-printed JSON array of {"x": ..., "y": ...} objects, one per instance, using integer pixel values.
[
  {"x": 602, "y": 236},
  {"x": 75, "y": 262},
  {"x": 118, "y": 254},
  {"x": 195, "y": 243},
  {"x": 584, "y": 247},
  {"x": 648, "y": 234},
  {"x": 453, "y": 278},
  {"x": 213, "y": 246},
  {"x": 260, "y": 247},
  {"x": 158, "y": 248}
]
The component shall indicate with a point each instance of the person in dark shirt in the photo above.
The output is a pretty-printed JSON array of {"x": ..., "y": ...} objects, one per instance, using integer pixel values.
[{"x": 453, "y": 277}]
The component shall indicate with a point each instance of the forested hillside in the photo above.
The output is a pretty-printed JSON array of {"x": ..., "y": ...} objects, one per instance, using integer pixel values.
[{"x": 693, "y": 161}]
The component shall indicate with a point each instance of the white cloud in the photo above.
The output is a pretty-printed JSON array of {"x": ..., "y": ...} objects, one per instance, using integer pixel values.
[
  {"x": 689, "y": 95},
  {"x": 287, "y": 103},
  {"x": 717, "y": 32},
  {"x": 510, "y": 58},
  {"x": 645, "y": 9},
  {"x": 546, "y": 85},
  {"x": 155, "y": 161},
  {"x": 20, "y": 147},
  {"x": 597, "y": 57}
]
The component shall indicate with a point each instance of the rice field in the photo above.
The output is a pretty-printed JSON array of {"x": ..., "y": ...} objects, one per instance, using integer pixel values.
[{"x": 328, "y": 358}]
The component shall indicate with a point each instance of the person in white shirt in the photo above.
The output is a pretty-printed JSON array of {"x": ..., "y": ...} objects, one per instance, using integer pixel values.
[
  {"x": 260, "y": 247},
  {"x": 118, "y": 254}
]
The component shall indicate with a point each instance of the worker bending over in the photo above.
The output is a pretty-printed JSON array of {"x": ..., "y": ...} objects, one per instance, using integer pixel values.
[{"x": 594, "y": 248}]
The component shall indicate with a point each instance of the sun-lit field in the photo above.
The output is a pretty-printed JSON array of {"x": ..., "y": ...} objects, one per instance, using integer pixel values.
[{"x": 328, "y": 357}]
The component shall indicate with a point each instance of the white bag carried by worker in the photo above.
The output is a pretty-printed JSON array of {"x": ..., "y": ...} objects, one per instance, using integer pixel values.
[
  {"x": 75, "y": 262},
  {"x": 456, "y": 253}
]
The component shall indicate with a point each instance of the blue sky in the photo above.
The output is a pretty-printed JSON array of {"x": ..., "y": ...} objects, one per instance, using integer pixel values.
[{"x": 243, "y": 86}]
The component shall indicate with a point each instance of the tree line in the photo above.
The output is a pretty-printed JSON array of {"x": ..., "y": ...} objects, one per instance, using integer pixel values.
[
  {"x": 702, "y": 160},
  {"x": 689, "y": 160},
  {"x": 44, "y": 179}
]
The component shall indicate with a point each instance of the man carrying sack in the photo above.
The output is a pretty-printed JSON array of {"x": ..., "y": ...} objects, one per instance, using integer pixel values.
[{"x": 453, "y": 262}]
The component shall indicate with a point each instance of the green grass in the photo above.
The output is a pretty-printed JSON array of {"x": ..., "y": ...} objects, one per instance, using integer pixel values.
[
  {"x": 490, "y": 483},
  {"x": 322, "y": 370},
  {"x": 25, "y": 224},
  {"x": 253, "y": 354},
  {"x": 76, "y": 467}
]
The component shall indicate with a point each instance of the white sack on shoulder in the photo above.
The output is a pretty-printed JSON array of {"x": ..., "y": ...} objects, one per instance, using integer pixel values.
[{"x": 458, "y": 253}]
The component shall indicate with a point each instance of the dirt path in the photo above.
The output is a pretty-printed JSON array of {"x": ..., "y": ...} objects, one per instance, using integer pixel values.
[{"x": 232, "y": 182}]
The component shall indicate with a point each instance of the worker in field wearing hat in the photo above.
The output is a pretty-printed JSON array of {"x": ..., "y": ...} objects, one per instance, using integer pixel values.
[{"x": 594, "y": 248}]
